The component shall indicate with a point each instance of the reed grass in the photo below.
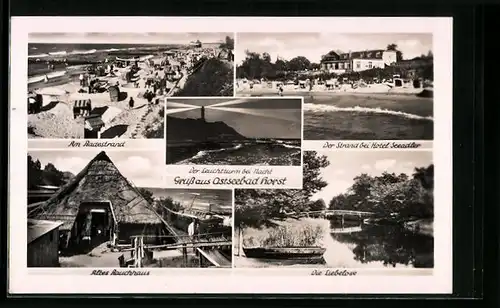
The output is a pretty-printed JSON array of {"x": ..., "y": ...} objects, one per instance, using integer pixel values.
[{"x": 298, "y": 235}]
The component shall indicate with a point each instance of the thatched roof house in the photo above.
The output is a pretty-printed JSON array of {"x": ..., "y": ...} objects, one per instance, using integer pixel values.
[{"x": 100, "y": 201}]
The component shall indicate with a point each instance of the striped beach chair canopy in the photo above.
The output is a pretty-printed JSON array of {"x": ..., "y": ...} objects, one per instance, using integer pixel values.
[{"x": 82, "y": 103}]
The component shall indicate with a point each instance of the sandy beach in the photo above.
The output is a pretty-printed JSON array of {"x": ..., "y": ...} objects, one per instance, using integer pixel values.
[
  {"x": 291, "y": 90},
  {"x": 56, "y": 118}
]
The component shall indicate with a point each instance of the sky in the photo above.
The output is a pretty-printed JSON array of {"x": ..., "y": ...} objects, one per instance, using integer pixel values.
[
  {"x": 252, "y": 118},
  {"x": 314, "y": 45},
  {"x": 126, "y": 38},
  {"x": 139, "y": 167},
  {"x": 345, "y": 165}
]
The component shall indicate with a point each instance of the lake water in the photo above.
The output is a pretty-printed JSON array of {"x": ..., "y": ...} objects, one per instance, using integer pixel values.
[{"x": 362, "y": 246}]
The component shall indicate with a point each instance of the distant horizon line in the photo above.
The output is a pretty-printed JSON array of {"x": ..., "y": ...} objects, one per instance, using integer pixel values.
[{"x": 124, "y": 43}]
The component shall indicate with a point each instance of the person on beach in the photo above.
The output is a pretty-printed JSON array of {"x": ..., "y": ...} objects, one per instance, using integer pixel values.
[
  {"x": 81, "y": 80},
  {"x": 131, "y": 103},
  {"x": 280, "y": 90},
  {"x": 46, "y": 78}
]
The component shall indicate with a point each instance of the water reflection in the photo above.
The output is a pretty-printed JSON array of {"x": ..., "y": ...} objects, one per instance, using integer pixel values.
[
  {"x": 357, "y": 245},
  {"x": 388, "y": 245}
]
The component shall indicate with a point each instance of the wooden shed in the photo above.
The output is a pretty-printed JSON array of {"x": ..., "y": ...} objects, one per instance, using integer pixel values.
[{"x": 43, "y": 243}]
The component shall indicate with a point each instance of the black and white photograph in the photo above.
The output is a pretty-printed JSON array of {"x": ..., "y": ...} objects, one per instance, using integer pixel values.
[
  {"x": 109, "y": 209},
  {"x": 223, "y": 131},
  {"x": 356, "y": 86},
  {"x": 113, "y": 85},
  {"x": 360, "y": 209}
]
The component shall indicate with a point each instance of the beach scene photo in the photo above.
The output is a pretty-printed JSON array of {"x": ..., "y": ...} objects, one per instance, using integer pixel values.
[
  {"x": 113, "y": 85},
  {"x": 109, "y": 210},
  {"x": 223, "y": 131},
  {"x": 367, "y": 209},
  {"x": 376, "y": 86}
]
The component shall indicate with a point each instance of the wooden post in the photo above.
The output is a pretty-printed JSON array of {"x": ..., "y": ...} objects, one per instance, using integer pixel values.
[
  {"x": 200, "y": 260},
  {"x": 342, "y": 224},
  {"x": 184, "y": 254}
]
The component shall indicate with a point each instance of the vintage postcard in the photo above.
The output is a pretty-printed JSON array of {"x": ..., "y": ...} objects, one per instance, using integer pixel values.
[
  {"x": 104, "y": 85},
  {"x": 248, "y": 155},
  {"x": 109, "y": 210},
  {"x": 356, "y": 86},
  {"x": 246, "y": 143},
  {"x": 358, "y": 210}
]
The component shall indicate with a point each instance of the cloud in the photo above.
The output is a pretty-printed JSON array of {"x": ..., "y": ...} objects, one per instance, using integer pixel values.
[
  {"x": 136, "y": 166},
  {"x": 366, "y": 167},
  {"x": 333, "y": 189},
  {"x": 71, "y": 164},
  {"x": 141, "y": 171},
  {"x": 384, "y": 164},
  {"x": 339, "y": 172}
]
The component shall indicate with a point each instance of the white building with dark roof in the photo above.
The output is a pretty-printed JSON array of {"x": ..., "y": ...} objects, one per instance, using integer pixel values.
[{"x": 357, "y": 61}]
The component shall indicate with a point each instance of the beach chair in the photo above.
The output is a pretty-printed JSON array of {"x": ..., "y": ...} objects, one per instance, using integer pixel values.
[
  {"x": 114, "y": 93},
  {"x": 82, "y": 108}
]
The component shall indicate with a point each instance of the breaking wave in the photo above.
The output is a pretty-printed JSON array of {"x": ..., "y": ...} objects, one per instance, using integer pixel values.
[
  {"x": 358, "y": 109},
  {"x": 206, "y": 152},
  {"x": 286, "y": 145}
]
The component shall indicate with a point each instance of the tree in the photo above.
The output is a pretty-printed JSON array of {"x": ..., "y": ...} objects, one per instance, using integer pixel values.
[
  {"x": 34, "y": 173},
  {"x": 425, "y": 176},
  {"x": 388, "y": 193},
  {"x": 281, "y": 66},
  {"x": 299, "y": 63},
  {"x": 228, "y": 44},
  {"x": 255, "y": 207},
  {"x": 394, "y": 47},
  {"x": 49, "y": 175},
  {"x": 317, "y": 205},
  {"x": 266, "y": 57}
]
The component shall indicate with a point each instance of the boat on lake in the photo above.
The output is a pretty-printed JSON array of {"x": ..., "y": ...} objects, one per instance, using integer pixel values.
[{"x": 285, "y": 252}]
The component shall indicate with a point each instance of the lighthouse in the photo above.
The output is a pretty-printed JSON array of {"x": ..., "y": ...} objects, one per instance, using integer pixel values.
[{"x": 203, "y": 113}]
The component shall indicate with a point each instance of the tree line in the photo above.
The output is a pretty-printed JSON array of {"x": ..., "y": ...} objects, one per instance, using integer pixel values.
[
  {"x": 409, "y": 196},
  {"x": 260, "y": 66},
  {"x": 48, "y": 175}
]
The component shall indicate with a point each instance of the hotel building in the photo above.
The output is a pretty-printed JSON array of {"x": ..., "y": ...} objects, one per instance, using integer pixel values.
[{"x": 357, "y": 61}]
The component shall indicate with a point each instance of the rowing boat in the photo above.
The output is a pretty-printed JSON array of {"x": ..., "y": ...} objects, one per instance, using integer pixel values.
[{"x": 285, "y": 252}]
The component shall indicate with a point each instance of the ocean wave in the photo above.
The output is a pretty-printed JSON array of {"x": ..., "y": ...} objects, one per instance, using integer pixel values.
[
  {"x": 330, "y": 108},
  {"x": 203, "y": 153},
  {"x": 40, "y": 55},
  {"x": 58, "y": 53},
  {"x": 83, "y": 52},
  {"x": 51, "y": 75},
  {"x": 286, "y": 145},
  {"x": 75, "y": 52}
]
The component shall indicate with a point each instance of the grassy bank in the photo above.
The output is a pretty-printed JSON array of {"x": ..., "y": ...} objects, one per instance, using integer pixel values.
[{"x": 215, "y": 78}]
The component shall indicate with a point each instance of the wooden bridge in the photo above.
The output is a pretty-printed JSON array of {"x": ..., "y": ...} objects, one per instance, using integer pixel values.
[{"x": 332, "y": 213}]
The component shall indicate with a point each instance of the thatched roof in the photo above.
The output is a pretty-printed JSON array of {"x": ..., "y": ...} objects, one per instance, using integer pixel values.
[{"x": 99, "y": 181}]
